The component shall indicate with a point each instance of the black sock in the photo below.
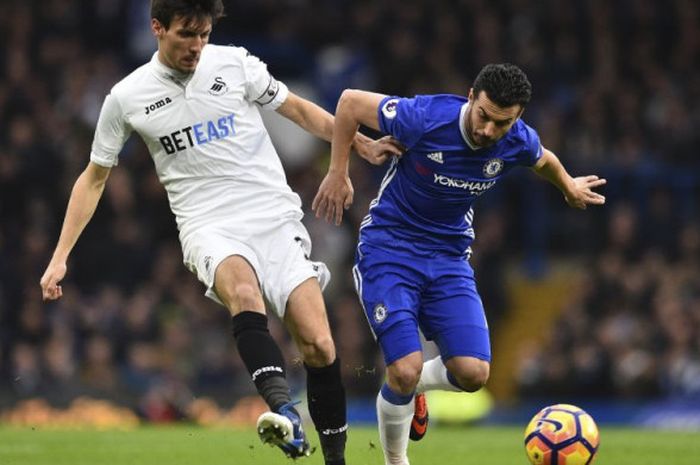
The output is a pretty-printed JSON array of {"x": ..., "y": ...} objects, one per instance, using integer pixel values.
[
  {"x": 262, "y": 357},
  {"x": 326, "y": 396}
]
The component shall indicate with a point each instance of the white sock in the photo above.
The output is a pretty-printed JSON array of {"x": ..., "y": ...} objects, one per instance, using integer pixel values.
[
  {"x": 434, "y": 376},
  {"x": 394, "y": 426}
]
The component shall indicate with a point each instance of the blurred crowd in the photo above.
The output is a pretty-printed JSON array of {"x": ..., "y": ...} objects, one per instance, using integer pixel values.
[
  {"x": 616, "y": 93},
  {"x": 631, "y": 327}
]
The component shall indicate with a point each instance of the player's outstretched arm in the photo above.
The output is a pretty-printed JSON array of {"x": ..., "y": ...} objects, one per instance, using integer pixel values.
[
  {"x": 319, "y": 122},
  {"x": 87, "y": 191},
  {"x": 308, "y": 116},
  {"x": 335, "y": 193},
  {"x": 578, "y": 192}
]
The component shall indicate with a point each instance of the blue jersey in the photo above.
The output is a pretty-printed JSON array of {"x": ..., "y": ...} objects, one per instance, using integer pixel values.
[{"x": 425, "y": 201}]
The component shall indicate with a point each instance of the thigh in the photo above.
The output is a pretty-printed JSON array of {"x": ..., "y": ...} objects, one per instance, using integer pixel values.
[
  {"x": 452, "y": 313},
  {"x": 389, "y": 287},
  {"x": 204, "y": 252},
  {"x": 236, "y": 285},
  {"x": 306, "y": 316},
  {"x": 400, "y": 340},
  {"x": 287, "y": 265}
]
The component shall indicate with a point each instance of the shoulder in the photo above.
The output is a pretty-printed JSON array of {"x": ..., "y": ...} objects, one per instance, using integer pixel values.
[
  {"x": 440, "y": 111},
  {"x": 441, "y": 107},
  {"x": 522, "y": 133},
  {"x": 438, "y": 103},
  {"x": 432, "y": 107},
  {"x": 230, "y": 54},
  {"x": 133, "y": 82},
  {"x": 525, "y": 141},
  {"x": 445, "y": 100},
  {"x": 216, "y": 50}
]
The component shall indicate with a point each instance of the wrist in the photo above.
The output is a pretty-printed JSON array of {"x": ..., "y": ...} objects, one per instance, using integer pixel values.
[
  {"x": 59, "y": 258},
  {"x": 338, "y": 171},
  {"x": 569, "y": 186}
]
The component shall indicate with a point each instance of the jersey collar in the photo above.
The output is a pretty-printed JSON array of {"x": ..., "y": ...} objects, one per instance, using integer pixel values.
[
  {"x": 463, "y": 128},
  {"x": 169, "y": 74}
]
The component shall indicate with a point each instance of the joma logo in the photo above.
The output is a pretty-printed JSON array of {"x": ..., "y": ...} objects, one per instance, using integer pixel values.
[{"x": 159, "y": 104}]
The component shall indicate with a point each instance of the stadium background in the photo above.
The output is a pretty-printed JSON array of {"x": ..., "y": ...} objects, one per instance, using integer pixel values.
[{"x": 600, "y": 307}]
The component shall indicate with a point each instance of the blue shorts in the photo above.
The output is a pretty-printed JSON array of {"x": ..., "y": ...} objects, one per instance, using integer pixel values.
[{"x": 402, "y": 293}]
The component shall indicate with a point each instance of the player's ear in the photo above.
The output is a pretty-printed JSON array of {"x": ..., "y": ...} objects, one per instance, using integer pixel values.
[
  {"x": 157, "y": 28},
  {"x": 470, "y": 96}
]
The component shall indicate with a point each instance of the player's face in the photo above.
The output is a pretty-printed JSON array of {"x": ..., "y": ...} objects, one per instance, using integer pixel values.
[
  {"x": 180, "y": 46},
  {"x": 487, "y": 122}
]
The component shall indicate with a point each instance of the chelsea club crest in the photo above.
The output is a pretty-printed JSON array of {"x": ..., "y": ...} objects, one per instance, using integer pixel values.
[
  {"x": 493, "y": 167},
  {"x": 379, "y": 313}
]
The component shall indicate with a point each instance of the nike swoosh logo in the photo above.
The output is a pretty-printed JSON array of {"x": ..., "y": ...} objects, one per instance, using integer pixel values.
[
  {"x": 420, "y": 425},
  {"x": 557, "y": 424}
]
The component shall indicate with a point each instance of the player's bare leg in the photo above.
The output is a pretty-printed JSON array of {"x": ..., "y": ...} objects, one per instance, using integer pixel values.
[
  {"x": 472, "y": 374},
  {"x": 395, "y": 407},
  {"x": 435, "y": 376},
  {"x": 307, "y": 322},
  {"x": 237, "y": 286}
]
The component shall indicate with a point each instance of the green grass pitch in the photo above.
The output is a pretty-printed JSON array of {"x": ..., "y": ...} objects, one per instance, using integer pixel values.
[{"x": 188, "y": 445}]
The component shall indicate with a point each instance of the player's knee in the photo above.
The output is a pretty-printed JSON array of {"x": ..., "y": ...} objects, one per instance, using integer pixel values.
[
  {"x": 403, "y": 376},
  {"x": 318, "y": 351},
  {"x": 243, "y": 296},
  {"x": 471, "y": 375}
]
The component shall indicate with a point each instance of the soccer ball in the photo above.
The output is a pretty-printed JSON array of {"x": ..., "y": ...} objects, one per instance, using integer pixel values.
[{"x": 561, "y": 435}]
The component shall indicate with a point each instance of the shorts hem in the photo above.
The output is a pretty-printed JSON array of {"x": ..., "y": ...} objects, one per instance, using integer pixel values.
[
  {"x": 400, "y": 355},
  {"x": 284, "y": 298},
  {"x": 479, "y": 355}
]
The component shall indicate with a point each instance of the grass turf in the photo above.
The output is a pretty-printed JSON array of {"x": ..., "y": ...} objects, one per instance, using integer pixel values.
[{"x": 185, "y": 445}]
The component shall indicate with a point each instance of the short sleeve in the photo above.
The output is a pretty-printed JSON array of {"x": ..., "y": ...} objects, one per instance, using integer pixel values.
[
  {"x": 260, "y": 86},
  {"x": 402, "y": 118},
  {"x": 532, "y": 150},
  {"x": 111, "y": 133}
]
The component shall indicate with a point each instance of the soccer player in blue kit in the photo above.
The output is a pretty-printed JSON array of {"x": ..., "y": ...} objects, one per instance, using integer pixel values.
[{"x": 412, "y": 262}]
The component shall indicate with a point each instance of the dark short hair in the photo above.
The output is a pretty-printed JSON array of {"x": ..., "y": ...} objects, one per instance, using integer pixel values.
[
  {"x": 505, "y": 84},
  {"x": 194, "y": 10}
]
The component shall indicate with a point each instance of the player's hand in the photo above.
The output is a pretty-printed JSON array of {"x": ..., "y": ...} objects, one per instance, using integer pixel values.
[
  {"x": 379, "y": 151},
  {"x": 50, "y": 287},
  {"x": 334, "y": 195},
  {"x": 583, "y": 195}
]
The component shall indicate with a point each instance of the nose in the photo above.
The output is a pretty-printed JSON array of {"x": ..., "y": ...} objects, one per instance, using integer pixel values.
[
  {"x": 197, "y": 44},
  {"x": 489, "y": 129}
]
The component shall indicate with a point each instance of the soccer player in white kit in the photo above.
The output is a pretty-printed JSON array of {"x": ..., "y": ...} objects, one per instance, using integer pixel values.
[{"x": 196, "y": 106}]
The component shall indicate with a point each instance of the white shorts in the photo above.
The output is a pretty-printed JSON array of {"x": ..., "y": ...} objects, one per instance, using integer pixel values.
[{"x": 279, "y": 255}]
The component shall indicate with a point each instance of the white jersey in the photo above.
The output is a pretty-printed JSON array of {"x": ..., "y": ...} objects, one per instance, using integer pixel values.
[{"x": 207, "y": 139}]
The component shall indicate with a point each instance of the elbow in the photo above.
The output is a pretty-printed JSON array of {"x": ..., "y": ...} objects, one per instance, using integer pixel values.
[
  {"x": 345, "y": 102},
  {"x": 349, "y": 108},
  {"x": 538, "y": 167},
  {"x": 346, "y": 96},
  {"x": 544, "y": 161},
  {"x": 94, "y": 177}
]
